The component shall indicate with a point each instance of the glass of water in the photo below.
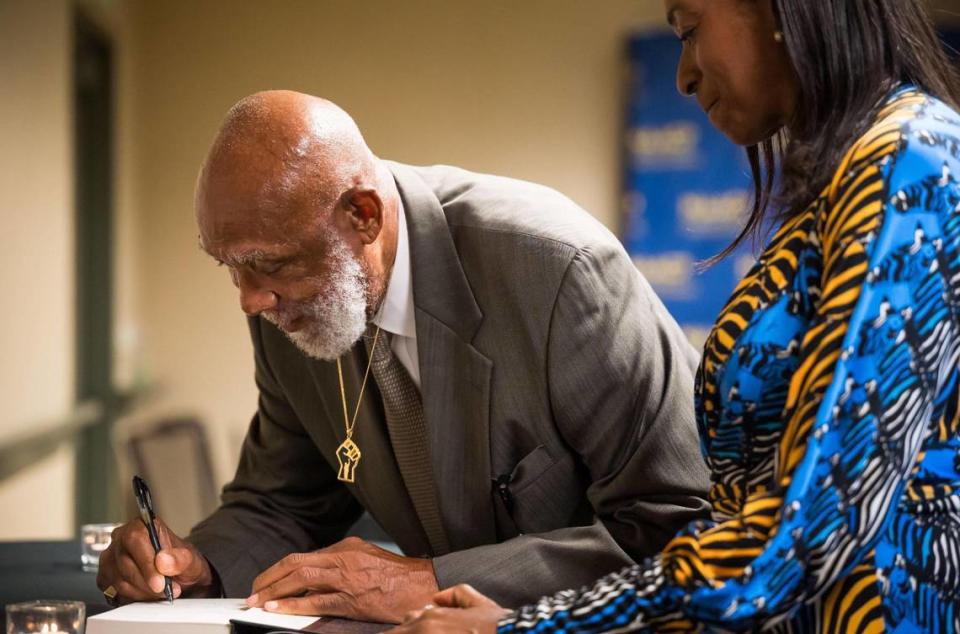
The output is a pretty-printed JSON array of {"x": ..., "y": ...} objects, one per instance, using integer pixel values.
[
  {"x": 46, "y": 616},
  {"x": 94, "y": 539}
]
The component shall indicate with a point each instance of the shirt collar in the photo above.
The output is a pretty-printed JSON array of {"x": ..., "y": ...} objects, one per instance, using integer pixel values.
[{"x": 396, "y": 314}]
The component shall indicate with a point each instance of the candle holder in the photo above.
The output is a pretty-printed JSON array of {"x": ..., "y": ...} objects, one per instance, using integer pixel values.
[{"x": 46, "y": 616}]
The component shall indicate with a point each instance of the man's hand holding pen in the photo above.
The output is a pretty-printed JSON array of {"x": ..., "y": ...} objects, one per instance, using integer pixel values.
[
  {"x": 132, "y": 568},
  {"x": 352, "y": 578}
]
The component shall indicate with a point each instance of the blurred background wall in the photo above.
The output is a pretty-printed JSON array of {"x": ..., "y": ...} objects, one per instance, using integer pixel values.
[
  {"x": 527, "y": 88},
  {"x": 36, "y": 205},
  {"x": 531, "y": 89}
]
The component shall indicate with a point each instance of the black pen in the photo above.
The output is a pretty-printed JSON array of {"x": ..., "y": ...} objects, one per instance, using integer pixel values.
[{"x": 145, "y": 503}]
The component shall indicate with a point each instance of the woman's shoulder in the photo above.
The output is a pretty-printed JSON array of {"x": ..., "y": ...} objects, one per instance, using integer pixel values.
[{"x": 911, "y": 124}]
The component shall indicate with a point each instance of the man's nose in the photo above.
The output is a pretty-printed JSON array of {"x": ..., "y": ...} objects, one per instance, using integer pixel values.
[{"x": 254, "y": 299}]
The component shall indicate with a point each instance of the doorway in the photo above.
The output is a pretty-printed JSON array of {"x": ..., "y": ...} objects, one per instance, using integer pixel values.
[{"x": 96, "y": 497}]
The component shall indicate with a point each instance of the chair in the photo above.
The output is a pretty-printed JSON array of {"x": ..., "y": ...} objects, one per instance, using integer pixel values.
[{"x": 173, "y": 455}]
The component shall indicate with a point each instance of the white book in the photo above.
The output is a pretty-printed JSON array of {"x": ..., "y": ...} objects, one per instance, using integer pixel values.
[{"x": 189, "y": 616}]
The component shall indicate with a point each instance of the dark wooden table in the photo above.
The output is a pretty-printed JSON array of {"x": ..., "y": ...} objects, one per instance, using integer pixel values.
[
  {"x": 46, "y": 570},
  {"x": 51, "y": 570}
]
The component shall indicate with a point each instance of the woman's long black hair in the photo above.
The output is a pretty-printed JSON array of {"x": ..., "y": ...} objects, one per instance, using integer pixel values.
[{"x": 847, "y": 56}]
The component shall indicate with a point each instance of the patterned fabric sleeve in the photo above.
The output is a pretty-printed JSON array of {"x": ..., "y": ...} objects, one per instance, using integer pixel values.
[{"x": 864, "y": 398}]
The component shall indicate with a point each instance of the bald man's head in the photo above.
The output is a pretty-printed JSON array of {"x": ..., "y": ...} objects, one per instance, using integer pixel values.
[
  {"x": 294, "y": 202},
  {"x": 277, "y": 144}
]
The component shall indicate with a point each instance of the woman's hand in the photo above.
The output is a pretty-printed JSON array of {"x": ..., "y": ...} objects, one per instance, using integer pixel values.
[{"x": 456, "y": 609}]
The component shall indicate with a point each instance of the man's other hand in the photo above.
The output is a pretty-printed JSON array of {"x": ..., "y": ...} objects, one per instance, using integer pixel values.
[
  {"x": 351, "y": 579},
  {"x": 132, "y": 568}
]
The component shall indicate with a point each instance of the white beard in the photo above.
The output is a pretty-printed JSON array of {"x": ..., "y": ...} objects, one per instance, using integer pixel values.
[{"x": 337, "y": 318}]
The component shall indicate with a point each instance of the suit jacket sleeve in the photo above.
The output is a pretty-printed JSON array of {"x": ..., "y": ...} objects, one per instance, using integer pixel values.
[
  {"x": 621, "y": 378},
  {"x": 284, "y": 498}
]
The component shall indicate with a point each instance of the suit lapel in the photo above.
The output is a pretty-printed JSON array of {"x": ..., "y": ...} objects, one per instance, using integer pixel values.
[{"x": 454, "y": 376}]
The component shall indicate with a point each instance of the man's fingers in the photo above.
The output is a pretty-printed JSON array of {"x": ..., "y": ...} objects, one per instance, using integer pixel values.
[
  {"x": 184, "y": 564},
  {"x": 176, "y": 560},
  {"x": 114, "y": 560},
  {"x": 130, "y": 573},
  {"x": 136, "y": 544},
  {"x": 277, "y": 571},
  {"x": 106, "y": 569},
  {"x": 463, "y": 596},
  {"x": 331, "y": 604},
  {"x": 350, "y": 578},
  {"x": 168, "y": 564},
  {"x": 136, "y": 572},
  {"x": 128, "y": 592},
  {"x": 290, "y": 563},
  {"x": 303, "y": 579}
]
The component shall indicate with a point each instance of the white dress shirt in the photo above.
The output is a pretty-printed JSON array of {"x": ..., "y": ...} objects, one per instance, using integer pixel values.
[{"x": 396, "y": 314}]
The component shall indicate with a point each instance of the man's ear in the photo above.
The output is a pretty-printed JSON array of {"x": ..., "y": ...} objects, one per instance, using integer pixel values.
[{"x": 364, "y": 210}]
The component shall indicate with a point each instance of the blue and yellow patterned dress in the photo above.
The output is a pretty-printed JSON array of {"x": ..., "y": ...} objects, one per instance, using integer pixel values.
[{"x": 827, "y": 401}]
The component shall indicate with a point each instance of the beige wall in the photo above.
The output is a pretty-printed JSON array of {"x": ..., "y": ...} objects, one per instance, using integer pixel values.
[
  {"x": 531, "y": 89},
  {"x": 36, "y": 262}
]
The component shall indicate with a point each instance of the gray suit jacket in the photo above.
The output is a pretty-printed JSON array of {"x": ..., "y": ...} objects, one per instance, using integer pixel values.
[{"x": 546, "y": 360}]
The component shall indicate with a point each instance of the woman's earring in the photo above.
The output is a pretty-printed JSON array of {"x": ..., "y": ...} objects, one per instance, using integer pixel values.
[{"x": 778, "y": 37}]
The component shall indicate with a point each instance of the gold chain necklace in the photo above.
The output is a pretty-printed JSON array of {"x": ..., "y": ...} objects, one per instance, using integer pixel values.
[{"x": 348, "y": 453}]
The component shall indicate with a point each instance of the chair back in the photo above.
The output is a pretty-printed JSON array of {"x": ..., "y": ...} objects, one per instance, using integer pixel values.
[{"x": 173, "y": 456}]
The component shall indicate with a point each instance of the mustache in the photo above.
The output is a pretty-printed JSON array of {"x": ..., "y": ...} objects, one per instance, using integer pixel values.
[
  {"x": 374, "y": 288},
  {"x": 284, "y": 318}
]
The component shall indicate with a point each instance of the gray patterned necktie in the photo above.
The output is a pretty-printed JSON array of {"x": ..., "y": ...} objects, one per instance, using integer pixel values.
[{"x": 407, "y": 427}]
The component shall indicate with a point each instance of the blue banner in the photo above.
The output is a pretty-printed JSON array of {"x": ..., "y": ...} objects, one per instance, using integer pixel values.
[{"x": 687, "y": 190}]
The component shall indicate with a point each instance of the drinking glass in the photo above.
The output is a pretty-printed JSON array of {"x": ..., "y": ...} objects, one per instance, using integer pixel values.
[
  {"x": 94, "y": 539},
  {"x": 46, "y": 616}
]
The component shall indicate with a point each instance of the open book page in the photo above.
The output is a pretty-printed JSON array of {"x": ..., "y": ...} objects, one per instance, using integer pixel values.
[{"x": 198, "y": 612}]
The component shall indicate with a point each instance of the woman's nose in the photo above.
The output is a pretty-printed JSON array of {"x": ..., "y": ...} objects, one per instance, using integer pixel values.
[{"x": 688, "y": 74}]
